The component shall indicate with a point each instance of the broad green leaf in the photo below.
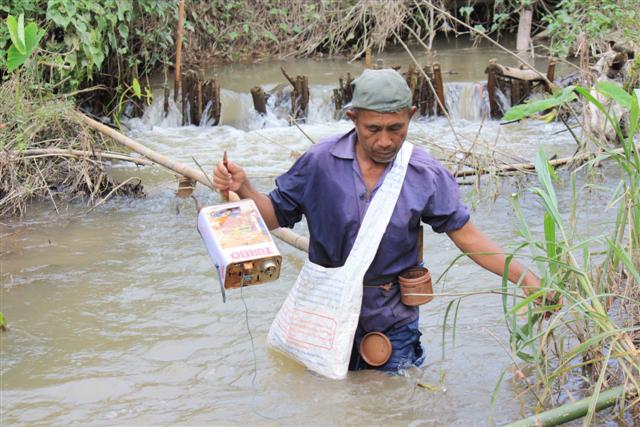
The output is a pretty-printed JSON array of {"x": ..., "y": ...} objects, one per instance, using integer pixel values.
[
  {"x": 615, "y": 92},
  {"x": 136, "y": 88},
  {"x": 123, "y": 30},
  {"x": 522, "y": 111},
  {"x": 14, "y": 33},
  {"x": 59, "y": 19},
  {"x": 32, "y": 37},
  {"x": 14, "y": 58},
  {"x": 21, "y": 33}
]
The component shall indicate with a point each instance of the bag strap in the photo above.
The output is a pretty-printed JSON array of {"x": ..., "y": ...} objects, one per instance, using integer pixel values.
[{"x": 378, "y": 215}]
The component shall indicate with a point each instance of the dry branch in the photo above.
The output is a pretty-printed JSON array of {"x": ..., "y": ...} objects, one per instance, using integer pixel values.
[
  {"x": 95, "y": 154},
  {"x": 524, "y": 167},
  {"x": 515, "y": 73}
]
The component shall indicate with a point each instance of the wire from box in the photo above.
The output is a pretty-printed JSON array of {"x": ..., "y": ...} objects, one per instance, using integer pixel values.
[{"x": 254, "y": 406}]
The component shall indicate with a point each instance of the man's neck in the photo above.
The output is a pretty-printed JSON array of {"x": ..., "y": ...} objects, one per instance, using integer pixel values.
[{"x": 371, "y": 170}]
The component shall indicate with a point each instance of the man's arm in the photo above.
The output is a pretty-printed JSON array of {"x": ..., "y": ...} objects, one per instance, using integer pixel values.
[
  {"x": 486, "y": 253},
  {"x": 234, "y": 178}
]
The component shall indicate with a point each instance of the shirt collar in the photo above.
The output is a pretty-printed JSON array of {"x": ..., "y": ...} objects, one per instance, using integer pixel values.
[{"x": 345, "y": 147}]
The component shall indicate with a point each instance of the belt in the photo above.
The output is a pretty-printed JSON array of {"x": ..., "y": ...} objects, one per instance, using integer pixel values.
[{"x": 385, "y": 286}]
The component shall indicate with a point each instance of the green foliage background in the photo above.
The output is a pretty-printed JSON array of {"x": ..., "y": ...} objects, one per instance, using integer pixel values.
[
  {"x": 88, "y": 40},
  {"x": 114, "y": 42}
]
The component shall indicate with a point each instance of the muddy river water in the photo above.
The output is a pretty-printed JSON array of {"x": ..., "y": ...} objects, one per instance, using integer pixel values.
[{"x": 116, "y": 316}]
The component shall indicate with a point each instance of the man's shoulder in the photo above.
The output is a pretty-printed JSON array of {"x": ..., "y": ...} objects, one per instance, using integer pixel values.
[
  {"x": 325, "y": 145},
  {"x": 423, "y": 162}
]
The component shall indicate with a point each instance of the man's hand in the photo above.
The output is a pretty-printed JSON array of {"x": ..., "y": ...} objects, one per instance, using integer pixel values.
[
  {"x": 489, "y": 255},
  {"x": 230, "y": 178},
  {"x": 550, "y": 300},
  {"x": 234, "y": 178}
]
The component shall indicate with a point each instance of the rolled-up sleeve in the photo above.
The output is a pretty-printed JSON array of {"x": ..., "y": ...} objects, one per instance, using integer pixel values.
[
  {"x": 288, "y": 196},
  {"x": 444, "y": 211}
]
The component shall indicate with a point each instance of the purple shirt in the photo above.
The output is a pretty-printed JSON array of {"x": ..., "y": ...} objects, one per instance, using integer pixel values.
[{"x": 325, "y": 185}]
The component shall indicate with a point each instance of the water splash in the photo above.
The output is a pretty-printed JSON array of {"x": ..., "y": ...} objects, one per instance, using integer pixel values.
[{"x": 465, "y": 101}]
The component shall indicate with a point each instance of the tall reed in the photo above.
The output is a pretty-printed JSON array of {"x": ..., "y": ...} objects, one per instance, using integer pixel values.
[{"x": 594, "y": 336}]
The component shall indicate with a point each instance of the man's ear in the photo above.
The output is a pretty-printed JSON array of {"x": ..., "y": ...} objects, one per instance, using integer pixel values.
[
  {"x": 352, "y": 115},
  {"x": 412, "y": 111}
]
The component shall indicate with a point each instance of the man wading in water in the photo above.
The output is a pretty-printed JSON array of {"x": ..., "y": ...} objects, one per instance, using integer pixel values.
[{"x": 333, "y": 183}]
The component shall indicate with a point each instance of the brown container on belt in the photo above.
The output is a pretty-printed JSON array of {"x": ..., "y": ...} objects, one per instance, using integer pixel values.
[
  {"x": 414, "y": 282},
  {"x": 375, "y": 348}
]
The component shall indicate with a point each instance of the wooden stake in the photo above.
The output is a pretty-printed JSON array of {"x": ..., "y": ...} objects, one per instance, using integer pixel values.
[
  {"x": 526, "y": 85},
  {"x": 299, "y": 95},
  {"x": 551, "y": 72},
  {"x": 199, "y": 99},
  {"x": 368, "y": 61},
  {"x": 165, "y": 105},
  {"x": 439, "y": 86},
  {"x": 516, "y": 97},
  {"x": 491, "y": 89},
  {"x": 176, "y": 88},
  {"x": 259, "y": 97}
]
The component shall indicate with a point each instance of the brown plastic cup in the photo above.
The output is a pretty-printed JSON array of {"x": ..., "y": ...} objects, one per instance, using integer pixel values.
[
  {"x": 414, "y": 283},
  {"x": 375, "y": 348}
]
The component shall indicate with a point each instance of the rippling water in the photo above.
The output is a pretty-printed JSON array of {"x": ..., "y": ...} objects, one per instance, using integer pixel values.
[{"x": 116, "y": 316}]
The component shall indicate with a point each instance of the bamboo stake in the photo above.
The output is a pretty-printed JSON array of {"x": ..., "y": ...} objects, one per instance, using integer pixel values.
[
  {"x": 176, "y": 88},
  {"x": 286, "y": 235},
  {"x": 571, "y": 411}
]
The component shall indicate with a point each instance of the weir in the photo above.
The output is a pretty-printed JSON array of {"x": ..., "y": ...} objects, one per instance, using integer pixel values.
[{"x": 464, "y": 101}]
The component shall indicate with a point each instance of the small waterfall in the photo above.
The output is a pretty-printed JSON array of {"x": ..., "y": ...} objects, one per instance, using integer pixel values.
[
  {"x": 154, "y": 115},
  {"x": 504, "y": 99},
  {"x": 319, "y": 110},
  {"x": 321, "y": 106},
  {"x": 467, "y": 101}
]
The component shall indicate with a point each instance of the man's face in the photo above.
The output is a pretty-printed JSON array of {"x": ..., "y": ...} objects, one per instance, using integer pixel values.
[{"x": 381, "y": 135}]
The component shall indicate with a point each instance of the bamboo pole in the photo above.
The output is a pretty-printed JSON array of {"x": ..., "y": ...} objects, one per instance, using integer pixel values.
[
  {"x": 571, "y": 411},
  {"x": 286, "y": 235},
  {"x": 176, "y": 88}
]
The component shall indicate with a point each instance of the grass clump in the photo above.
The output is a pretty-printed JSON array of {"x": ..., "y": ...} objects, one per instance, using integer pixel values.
[{"x": 46, "y": 152}]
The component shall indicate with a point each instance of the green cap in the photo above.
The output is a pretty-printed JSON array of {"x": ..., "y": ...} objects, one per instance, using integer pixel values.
[{"x": 384, "y": 91}]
